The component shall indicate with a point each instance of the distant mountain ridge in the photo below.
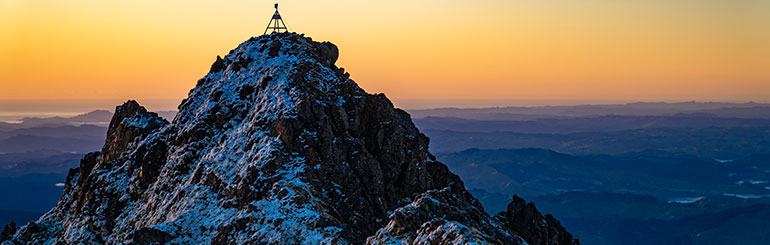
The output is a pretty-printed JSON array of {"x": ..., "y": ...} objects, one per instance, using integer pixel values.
[
  {"x": 713, "y": 109},
  {"x": 711, "y": 142},
  {"x": 606, "y": 123},
  {"x": 95, "y": 117}
]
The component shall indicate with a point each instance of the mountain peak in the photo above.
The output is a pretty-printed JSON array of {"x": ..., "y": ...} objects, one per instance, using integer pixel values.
[{"x": 275, "y": 145}]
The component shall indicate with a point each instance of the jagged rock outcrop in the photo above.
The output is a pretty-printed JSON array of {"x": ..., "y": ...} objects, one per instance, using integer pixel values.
[
  {"x": 528, "y": 223},
  {"x": 8, "y": 230},
  {"x": 275, "y": 145}
]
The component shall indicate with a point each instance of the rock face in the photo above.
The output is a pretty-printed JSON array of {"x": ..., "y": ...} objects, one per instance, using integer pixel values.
[
  {"x": 275, "y": 145},
  {"x": 524, "y": 218},
  {"x": 8, "y": 230}
]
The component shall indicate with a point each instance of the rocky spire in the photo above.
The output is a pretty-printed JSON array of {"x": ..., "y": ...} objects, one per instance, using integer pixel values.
[{"x": 275, "y": 145}]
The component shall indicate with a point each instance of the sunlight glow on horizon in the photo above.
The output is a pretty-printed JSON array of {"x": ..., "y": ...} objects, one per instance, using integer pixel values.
[{"x": 709, "y": 50}]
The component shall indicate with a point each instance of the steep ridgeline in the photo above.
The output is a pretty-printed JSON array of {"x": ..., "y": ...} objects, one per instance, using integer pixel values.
[{"x": 275, "y": 145}]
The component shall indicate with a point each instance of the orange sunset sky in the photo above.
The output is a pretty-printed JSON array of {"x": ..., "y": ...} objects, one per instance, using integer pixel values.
[{"x": 420, "y": 53}]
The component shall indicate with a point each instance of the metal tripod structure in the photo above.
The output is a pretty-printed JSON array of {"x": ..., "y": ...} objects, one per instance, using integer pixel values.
[{"x": 276, "y": 23}]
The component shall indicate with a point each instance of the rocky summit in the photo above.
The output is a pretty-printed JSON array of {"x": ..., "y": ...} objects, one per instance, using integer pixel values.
[{"x": 275, "y": 145}]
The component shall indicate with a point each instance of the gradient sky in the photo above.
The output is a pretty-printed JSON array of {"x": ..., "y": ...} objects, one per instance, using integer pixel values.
[{"x": 420, "y": 53}]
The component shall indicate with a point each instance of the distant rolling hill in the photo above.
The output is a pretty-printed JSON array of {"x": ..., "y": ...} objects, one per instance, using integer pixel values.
[
  {"x": 37, "y": 162},
  {"x": 719, "y": 143},
  {"x": 621, "y": 199},
  {"x": 532, "y": 172},
  {"x": 63, "y": 142}
]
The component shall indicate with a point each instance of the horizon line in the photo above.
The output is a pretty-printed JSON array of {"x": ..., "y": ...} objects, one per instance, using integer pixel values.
[{"x": 22, "y": 106}]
